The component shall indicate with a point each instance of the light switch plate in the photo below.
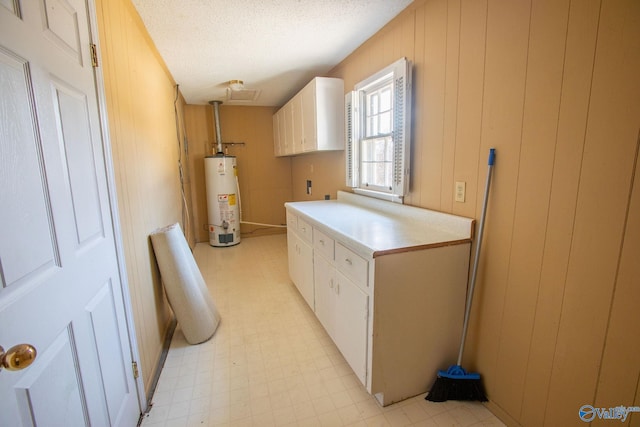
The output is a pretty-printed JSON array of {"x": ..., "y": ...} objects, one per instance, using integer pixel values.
[{"x": 461, "y": 187}]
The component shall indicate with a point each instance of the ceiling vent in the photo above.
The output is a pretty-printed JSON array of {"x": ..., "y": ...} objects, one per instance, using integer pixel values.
[
  {"x": 237, "y": 93},
  {"x": 244, "y": 95}
]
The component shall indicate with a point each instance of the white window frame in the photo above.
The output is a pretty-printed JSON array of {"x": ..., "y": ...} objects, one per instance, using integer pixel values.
[{"x": 355, "y": 110}]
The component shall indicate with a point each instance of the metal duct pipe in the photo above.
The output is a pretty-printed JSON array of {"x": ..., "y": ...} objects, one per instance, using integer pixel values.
[{"x": 216, "y": 116}]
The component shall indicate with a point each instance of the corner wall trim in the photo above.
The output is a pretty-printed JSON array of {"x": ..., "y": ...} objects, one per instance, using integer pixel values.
[{"x": 163, "y": 357}]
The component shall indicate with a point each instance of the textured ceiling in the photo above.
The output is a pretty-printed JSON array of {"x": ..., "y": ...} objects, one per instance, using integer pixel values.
[{"x": 274, "y": 46}]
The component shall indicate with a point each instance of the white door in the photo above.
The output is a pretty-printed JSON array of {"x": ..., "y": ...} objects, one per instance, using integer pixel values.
[{"x": 60, "y": 287}]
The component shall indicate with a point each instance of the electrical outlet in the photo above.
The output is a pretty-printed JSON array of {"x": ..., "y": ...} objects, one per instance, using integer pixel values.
[
  {"x": 461, "y": 187},
  {"x": 308, "y": 186}
]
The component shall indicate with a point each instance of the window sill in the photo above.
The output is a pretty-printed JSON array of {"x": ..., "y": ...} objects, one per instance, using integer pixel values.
[{"x": 378, "y": 195}]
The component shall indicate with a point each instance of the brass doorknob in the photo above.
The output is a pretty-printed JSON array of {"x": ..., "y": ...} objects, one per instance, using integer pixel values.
[{"x": 17, "y": 357}]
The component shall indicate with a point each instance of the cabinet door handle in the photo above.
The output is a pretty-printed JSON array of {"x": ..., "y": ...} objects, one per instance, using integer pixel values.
[
  {"x": 331, "y": 283},
  {"x": 322, "y": 242},
  {"x": 348, "y": 261}
]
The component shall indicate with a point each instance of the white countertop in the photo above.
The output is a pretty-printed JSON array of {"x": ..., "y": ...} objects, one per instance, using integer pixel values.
[{"x": 375, "y": 227}]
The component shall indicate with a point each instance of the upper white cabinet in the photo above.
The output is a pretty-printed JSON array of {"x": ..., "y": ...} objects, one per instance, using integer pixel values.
[{"x": 313, "y": 120}]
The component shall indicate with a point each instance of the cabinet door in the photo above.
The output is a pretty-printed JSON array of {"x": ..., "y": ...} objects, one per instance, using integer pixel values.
[
  {"x": 296, "y": 106},
  {"x": 292, "y": 252},
  {"x": 301, "y": 266},
  {"x": 309, "y": 111},
  {"x": 350, "y": 331},
  {"x": 323, "y": 274},
  {"x": 329, "y": 113},
  {"x": 306, "y": 272},
  {"x": 277, "y": 149},
  {"x": 286, "y": 128}
]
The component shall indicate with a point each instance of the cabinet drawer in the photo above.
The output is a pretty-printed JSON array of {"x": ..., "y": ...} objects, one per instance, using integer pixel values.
[
  {"x": 305, "y": 230},
  {"x": 352, "y": 265},
  {"x": 323, "y": 244}
]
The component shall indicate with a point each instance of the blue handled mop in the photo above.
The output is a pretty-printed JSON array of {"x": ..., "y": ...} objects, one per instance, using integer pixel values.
[{"x": 456, "y": 383}]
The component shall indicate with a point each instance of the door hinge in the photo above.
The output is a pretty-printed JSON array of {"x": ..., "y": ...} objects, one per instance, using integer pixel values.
[
  {"x": 94, "y": 55},
  {"x": 136, "y": 373}
]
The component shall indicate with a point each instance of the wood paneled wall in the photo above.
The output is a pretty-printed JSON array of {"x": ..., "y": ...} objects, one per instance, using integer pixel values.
[
  {"x": 265, "y": 181},
  {"x": 554, "y": 86},
  {"x": 140, "y": 104}
]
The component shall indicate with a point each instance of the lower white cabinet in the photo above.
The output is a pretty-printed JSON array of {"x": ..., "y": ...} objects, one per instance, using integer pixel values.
[
  {"x": 389, "y": 294},
  {"x": 333, "y": 281},
  {"x": 342, "y": 308}
]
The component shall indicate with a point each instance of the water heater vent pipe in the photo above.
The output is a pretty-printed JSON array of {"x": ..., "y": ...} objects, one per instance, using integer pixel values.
[{"x": 216, "y": 116}]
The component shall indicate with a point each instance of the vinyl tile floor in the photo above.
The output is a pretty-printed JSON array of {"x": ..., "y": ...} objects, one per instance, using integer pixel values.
[{"x": 270, "y": 362}]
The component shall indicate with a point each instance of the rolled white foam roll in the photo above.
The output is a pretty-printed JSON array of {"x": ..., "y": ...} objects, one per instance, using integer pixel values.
[{"x": 184, "y": 285}]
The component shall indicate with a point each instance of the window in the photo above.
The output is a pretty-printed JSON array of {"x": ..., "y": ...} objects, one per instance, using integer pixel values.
[{"x": 377, "y": 133}]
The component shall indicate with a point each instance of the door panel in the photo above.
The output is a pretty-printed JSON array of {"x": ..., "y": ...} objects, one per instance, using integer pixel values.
[
  {"x": 61, "y": 286},
  {"x": 39, "y": 389},
  {"x": 103, "y": 311},
  {"x": 62, "y": 26},
  {"x": 25, "y": 217},
  {"x": 73, "y": 130},
  {"x": 11, "y": 6}
]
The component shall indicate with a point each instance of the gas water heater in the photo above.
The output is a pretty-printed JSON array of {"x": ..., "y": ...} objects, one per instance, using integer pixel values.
[
  {"x": 222, "y": 200},
  {"x": 221, "y": 179}
]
